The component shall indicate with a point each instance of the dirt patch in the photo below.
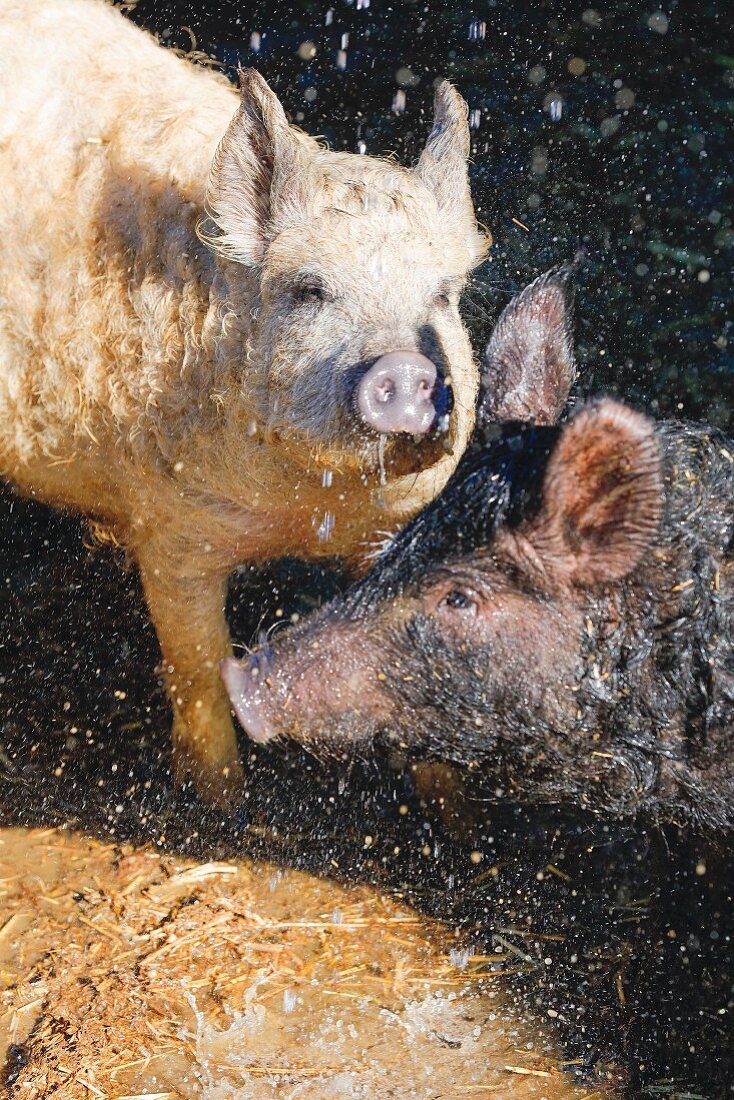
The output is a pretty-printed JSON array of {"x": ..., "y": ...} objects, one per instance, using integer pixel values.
[{"x": 127, "y": 972}]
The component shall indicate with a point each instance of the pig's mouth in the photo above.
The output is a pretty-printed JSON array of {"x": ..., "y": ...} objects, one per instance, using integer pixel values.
[
  {"x": 391, "y": 457},
  {"x": 382, "y": 457}
]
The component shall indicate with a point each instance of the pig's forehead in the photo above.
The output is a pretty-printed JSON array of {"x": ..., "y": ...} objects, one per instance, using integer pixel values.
[
  {"x": 355, "y": 182},
  {"x": 372, "y": 206},
  {"x": 346, "y": 244}
]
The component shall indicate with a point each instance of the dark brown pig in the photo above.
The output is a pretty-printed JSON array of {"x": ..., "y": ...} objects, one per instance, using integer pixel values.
[{"x": 559, "y": 621}]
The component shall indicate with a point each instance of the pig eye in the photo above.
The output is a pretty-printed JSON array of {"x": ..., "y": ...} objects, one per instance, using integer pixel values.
[
  {"x": 459, "y": 601},
  {"x": 313, "y": 292},
  {"x": 443, "y": 299}
]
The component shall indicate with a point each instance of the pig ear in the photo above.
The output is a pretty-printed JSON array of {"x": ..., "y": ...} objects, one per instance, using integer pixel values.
[
  {"x": 260, "y": 174},
  {"x": 602, "y": 495},
  {"x": 443, "y": 163},
  {"x": 528, "y": 367}
]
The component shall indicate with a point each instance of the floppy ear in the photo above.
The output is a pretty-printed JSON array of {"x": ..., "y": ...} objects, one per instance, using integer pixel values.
[
  {"x": 260, "y": 176},
  {"x": 443, "y": 164},
  {"x": 602, "y": 495},
  {"x": 528, "y": 368}
]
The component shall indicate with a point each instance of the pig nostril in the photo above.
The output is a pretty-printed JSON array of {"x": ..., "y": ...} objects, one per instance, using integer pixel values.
[{"x": 385, "y": 390}]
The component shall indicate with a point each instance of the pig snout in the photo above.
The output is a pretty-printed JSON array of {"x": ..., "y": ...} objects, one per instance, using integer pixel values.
[
  {"x": 398, "y": 393},
  {"x": 249, "y": 695}
]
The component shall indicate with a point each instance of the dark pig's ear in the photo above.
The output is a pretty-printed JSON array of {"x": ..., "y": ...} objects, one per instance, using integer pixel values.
[
  {"x": 602, "y": 495},
  {"x": 443, "y": 164},
  {"x": 260, "y": 175},
  {"x": 528, "y": 367}
]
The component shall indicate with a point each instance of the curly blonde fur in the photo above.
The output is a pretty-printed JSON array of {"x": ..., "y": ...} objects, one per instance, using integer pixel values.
[{"x": 151, "y": 371}]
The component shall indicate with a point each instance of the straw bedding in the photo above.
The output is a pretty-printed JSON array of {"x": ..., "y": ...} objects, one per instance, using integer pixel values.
[{"x": 132, "y": 973}]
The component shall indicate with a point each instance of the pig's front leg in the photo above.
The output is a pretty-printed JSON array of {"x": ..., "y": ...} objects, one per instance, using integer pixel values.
[{"x": 187, "y": 609}]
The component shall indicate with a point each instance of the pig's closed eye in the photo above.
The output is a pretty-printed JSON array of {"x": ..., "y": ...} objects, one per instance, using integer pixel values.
[{"x": 444, "y": 299}]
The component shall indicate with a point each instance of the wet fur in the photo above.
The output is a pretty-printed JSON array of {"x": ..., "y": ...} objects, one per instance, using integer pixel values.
[
  {"x": 616, "y": 697},
  {"x": 156, "y": 382}
]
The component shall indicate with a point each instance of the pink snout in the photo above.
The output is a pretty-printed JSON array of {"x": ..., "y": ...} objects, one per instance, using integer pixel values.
[
  {"x": 249, "y": 695},
  {"x": 397, "y": 393}
]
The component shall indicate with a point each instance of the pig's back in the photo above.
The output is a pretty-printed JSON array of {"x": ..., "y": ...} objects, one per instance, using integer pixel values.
[
  {"x": 106, "y": 140},
  {"x": 76, "y": 72}
]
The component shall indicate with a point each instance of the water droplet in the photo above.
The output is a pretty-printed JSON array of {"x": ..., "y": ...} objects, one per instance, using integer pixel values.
[
  {"x": 398, "y": 102},
  {"x": 624, "y": 99},
  {"x": 326, "y": 527},
  {"x": 307, "y": 51},
  {"x": 326, "y": 478},
  {"x": 255, "y": 41},
  {"x": 460, "y": 956},
  {"x": 406, "y": 77},
  {"x": 381, "y": 458},
  {"x": 341, "y": 59},
  {"x": 290, "y": 999},
  {"x": 477, "y": 30},
  {"x": 658, "y": 22},
  {"x": 475, "y": 118}
]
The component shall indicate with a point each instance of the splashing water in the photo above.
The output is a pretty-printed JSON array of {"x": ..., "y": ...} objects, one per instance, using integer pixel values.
[
  {"x": 326, "y": 527},
  {"x": 398, "y": 102},
  {"x": 381, "y": 458},
  {"x": 556, "y": 108}
]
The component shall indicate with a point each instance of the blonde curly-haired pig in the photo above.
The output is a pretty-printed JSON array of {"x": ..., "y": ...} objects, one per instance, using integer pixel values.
[{"x": 225, "y": 341}]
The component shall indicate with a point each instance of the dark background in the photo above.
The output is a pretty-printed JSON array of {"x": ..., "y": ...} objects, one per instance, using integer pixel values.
[{"x": 605, "y": 131}]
